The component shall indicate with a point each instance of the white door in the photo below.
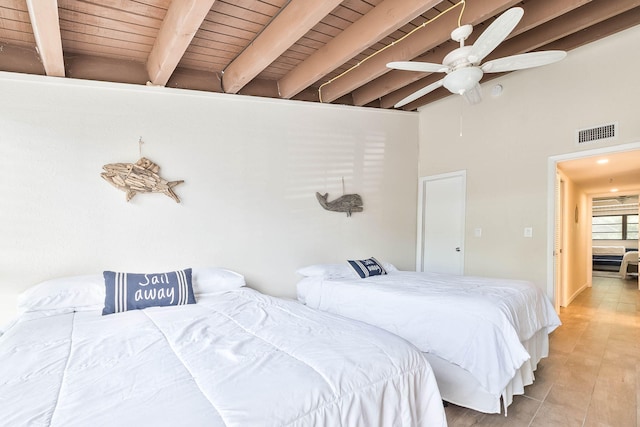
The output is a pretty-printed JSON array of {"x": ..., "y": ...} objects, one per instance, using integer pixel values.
[{"x": 441, "y": 214}]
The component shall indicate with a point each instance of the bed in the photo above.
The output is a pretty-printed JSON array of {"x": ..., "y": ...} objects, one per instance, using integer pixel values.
[
  {"x": 629, "y": 265},
  {"x": 483, "y": 337},
  {"x": 607, "y": 258},
  {"x": 223, "y": 355}
]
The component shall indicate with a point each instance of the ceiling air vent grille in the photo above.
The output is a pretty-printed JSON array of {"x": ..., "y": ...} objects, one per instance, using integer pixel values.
[{"x": 600, "y": 133}]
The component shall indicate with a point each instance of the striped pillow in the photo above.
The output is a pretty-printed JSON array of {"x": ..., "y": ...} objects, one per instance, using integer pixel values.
[
  {"x": 367, "y": 267},
  {"x": 132, "y": 291}
]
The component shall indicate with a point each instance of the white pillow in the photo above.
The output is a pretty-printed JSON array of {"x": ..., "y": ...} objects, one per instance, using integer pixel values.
[
  {"x": 336, "y": 271},
  {"x": 389, "y": 267},
  {"x": 209, "y": 280},
  {"x": 88, "y": 292},
  {"x": 328, "y": 271},
  {"x": 77, "y": 292}
]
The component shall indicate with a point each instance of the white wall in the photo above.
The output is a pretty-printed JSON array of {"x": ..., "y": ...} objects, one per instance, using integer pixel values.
[
  {"x": 251, "y": 168},
  {"x": 577, "y": 236},
  {"x": 504, "y": 144}
]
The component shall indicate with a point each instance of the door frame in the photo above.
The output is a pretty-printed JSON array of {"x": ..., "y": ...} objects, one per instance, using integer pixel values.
[
  {"x": 420, "y": 219},
  {"x": 553, "y": 288},
  {"x": 559, "y": 239},
  {"x": 590, "y": 210}
]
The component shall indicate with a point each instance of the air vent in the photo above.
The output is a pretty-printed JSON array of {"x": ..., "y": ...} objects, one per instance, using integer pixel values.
[{"x": 600, "y": 133}]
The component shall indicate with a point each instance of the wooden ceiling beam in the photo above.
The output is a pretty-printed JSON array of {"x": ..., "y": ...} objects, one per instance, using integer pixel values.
[
  {"x": 598, "y": 31},
  {"x": 577, "y": 28},
  {"x": 294, "y": 21},
  {"x": 182, "y": 21},
  {"x": 381, "y": 21},
  {"x": 536, "y": 14},
  {"x": 46, "y": 30},
  {"x": 567, "y": 24},
  {"x": 432, "y": 35},
  {"x": 396, "y": 82},
  {"x": 388, "y": 101}
]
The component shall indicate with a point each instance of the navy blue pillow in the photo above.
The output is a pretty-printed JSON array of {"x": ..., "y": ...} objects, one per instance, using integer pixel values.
[
  {"x": 367, "y": 267},
  {"x": 132, "y": 291}
]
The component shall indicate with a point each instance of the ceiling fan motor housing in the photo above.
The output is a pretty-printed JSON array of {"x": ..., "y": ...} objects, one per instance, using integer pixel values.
[{"x": 458, "y": 57}]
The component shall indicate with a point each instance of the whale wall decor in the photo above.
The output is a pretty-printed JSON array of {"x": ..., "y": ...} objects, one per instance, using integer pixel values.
[
  {"x": 347, "y": 203},
  {"x": 139, "y": 177}
]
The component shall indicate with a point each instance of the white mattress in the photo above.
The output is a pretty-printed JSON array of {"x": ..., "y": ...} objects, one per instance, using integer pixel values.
[
  {"x": 476, "y": 323},
  {"x": 239, "y": 358}
]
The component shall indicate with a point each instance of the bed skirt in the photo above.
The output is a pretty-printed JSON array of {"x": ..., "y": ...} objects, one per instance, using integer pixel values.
[{"x": 459, "y": 387}]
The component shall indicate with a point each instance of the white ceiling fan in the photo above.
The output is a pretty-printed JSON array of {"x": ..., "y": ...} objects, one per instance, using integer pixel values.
[{"x": 462, "y": 65}]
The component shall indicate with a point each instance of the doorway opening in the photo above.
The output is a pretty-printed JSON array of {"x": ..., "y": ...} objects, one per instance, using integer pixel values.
[
  {"x": 584, "y": 180},
  {"x": 614, "y": 231}
]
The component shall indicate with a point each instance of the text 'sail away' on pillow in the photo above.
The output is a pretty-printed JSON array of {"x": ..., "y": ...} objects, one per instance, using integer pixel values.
[{"x": 135, "y": 291}]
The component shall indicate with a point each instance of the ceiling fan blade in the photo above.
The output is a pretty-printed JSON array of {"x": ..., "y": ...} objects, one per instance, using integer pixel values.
[
  {"x": 426, "y": 67},
  {"x": 473, "y": 95},
  {"x": 522, "y": 61},
  {"x": 419, "y": 93},
  {"x": 495, "y": 34}
]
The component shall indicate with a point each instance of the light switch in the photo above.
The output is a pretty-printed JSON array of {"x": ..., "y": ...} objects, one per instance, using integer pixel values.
[
  {"x": 528, "y": 232},
  {"x": 477, "y": 232}
]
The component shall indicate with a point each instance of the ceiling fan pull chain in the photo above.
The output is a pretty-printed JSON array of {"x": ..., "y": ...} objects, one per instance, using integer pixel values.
[{"x": 461, "y": 107}]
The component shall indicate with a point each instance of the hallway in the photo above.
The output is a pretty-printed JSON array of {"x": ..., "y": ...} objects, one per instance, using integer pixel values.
[{"x": 592, "y": 375}]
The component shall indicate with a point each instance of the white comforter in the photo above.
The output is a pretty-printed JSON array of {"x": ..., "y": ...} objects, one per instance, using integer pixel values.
[
  {"x": 239, "y": 358},
  {"x": 476, "y": 323}
]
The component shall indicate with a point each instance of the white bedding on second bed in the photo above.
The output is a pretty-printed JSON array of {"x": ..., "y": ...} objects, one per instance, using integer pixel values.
[
  {"x": 453, "y": 317},
  {"x": 238, "y": 358}
]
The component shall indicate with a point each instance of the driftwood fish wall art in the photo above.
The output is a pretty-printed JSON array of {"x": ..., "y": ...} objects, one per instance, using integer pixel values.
[
  {"x": 347, "y": 203},
  {"x": 139, "y": 177}
]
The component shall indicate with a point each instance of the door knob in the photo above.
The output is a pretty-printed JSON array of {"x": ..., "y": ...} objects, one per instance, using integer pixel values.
[{"x": 458, "y": 249}]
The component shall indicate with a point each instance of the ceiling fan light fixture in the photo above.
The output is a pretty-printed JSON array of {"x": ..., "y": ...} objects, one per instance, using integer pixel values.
[
  {"x": 473, "y": 95},
  {"x": 463, "y": 79}
]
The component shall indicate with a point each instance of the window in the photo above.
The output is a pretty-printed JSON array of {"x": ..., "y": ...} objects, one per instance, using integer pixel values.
[
  {"x": 615, "y": 227},
  {"x": 607, "y": 227},
  {"x": 632, "y": 227}
]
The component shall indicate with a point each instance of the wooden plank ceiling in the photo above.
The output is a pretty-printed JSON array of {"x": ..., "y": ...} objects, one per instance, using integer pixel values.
[{"x": 328, "y": 51}]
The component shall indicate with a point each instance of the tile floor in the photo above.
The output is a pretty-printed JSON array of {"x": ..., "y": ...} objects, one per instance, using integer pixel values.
[{"x": 592, "y": 375}]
